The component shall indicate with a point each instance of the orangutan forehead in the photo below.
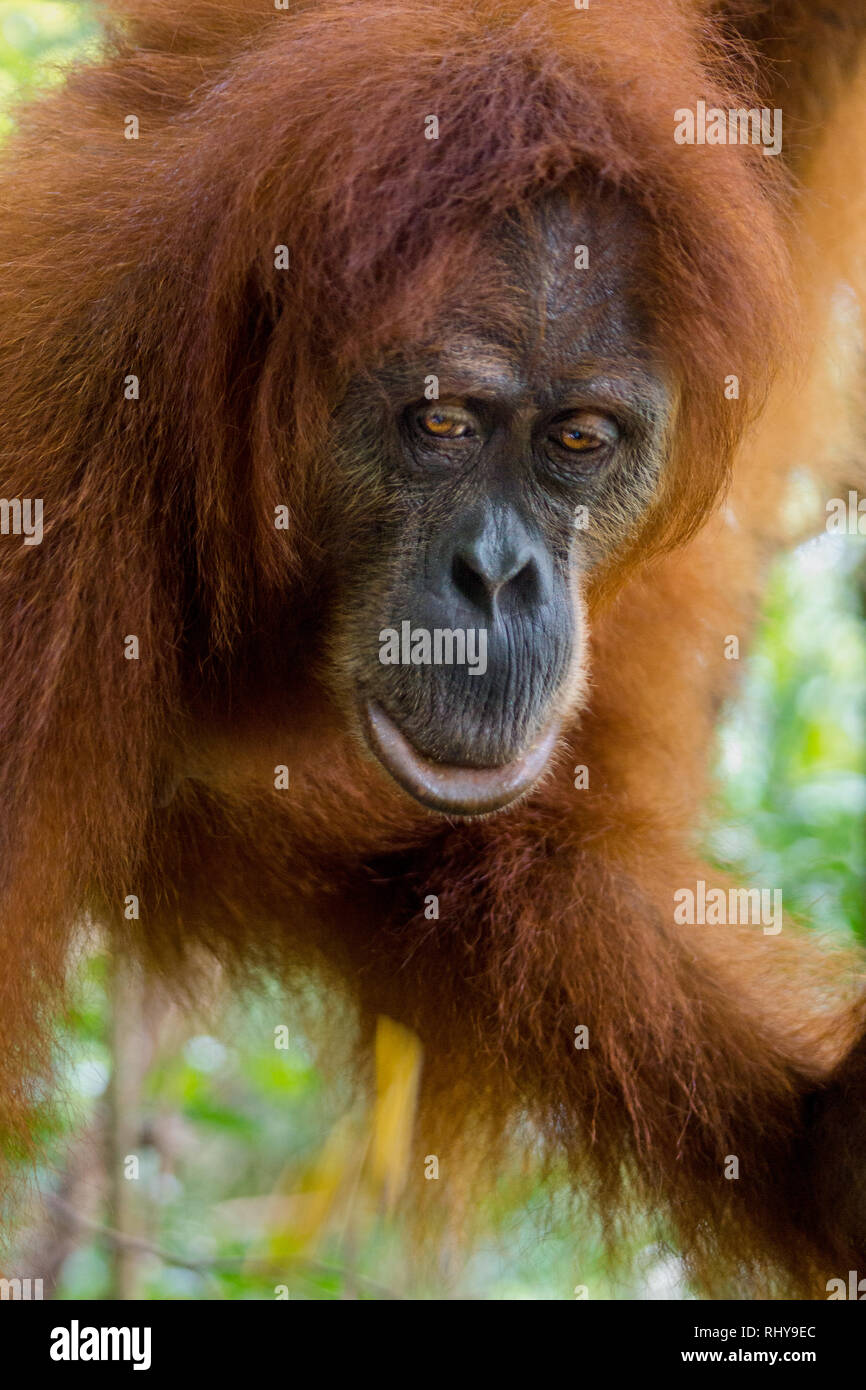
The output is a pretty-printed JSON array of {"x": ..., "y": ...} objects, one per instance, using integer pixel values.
[
  {"x": 562, "y": 366},
  {"x": 554, "y": 291},
  {"x": 573, "y": 248},
  {"x": 549, "y": 303}
]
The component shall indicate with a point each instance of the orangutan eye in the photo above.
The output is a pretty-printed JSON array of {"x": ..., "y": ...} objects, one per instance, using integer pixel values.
[
  {"x": 585, "y": 432},
  {"x": 446, "y": 422}
]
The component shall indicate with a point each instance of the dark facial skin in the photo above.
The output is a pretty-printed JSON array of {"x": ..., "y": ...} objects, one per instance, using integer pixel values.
[{"x": 460, "y": 512}]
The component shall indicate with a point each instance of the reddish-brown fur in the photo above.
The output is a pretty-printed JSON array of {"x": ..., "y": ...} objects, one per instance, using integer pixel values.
[{"x": 155, "y": 258}]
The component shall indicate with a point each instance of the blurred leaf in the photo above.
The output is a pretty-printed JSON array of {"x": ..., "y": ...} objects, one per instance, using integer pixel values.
[{"x": 398, "y": 1072}]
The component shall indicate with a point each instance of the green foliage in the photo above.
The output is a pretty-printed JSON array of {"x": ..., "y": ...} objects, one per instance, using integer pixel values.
[
  {"x": 36, "y": 39},
  {"x": 792, "y": 747}
]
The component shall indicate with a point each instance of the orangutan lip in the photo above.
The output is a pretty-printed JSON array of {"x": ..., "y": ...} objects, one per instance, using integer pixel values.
[{"x": 450, "y": 788}]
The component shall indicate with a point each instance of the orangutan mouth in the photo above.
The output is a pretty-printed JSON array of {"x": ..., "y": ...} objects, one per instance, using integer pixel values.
[{"x": 450, "y": 788}]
